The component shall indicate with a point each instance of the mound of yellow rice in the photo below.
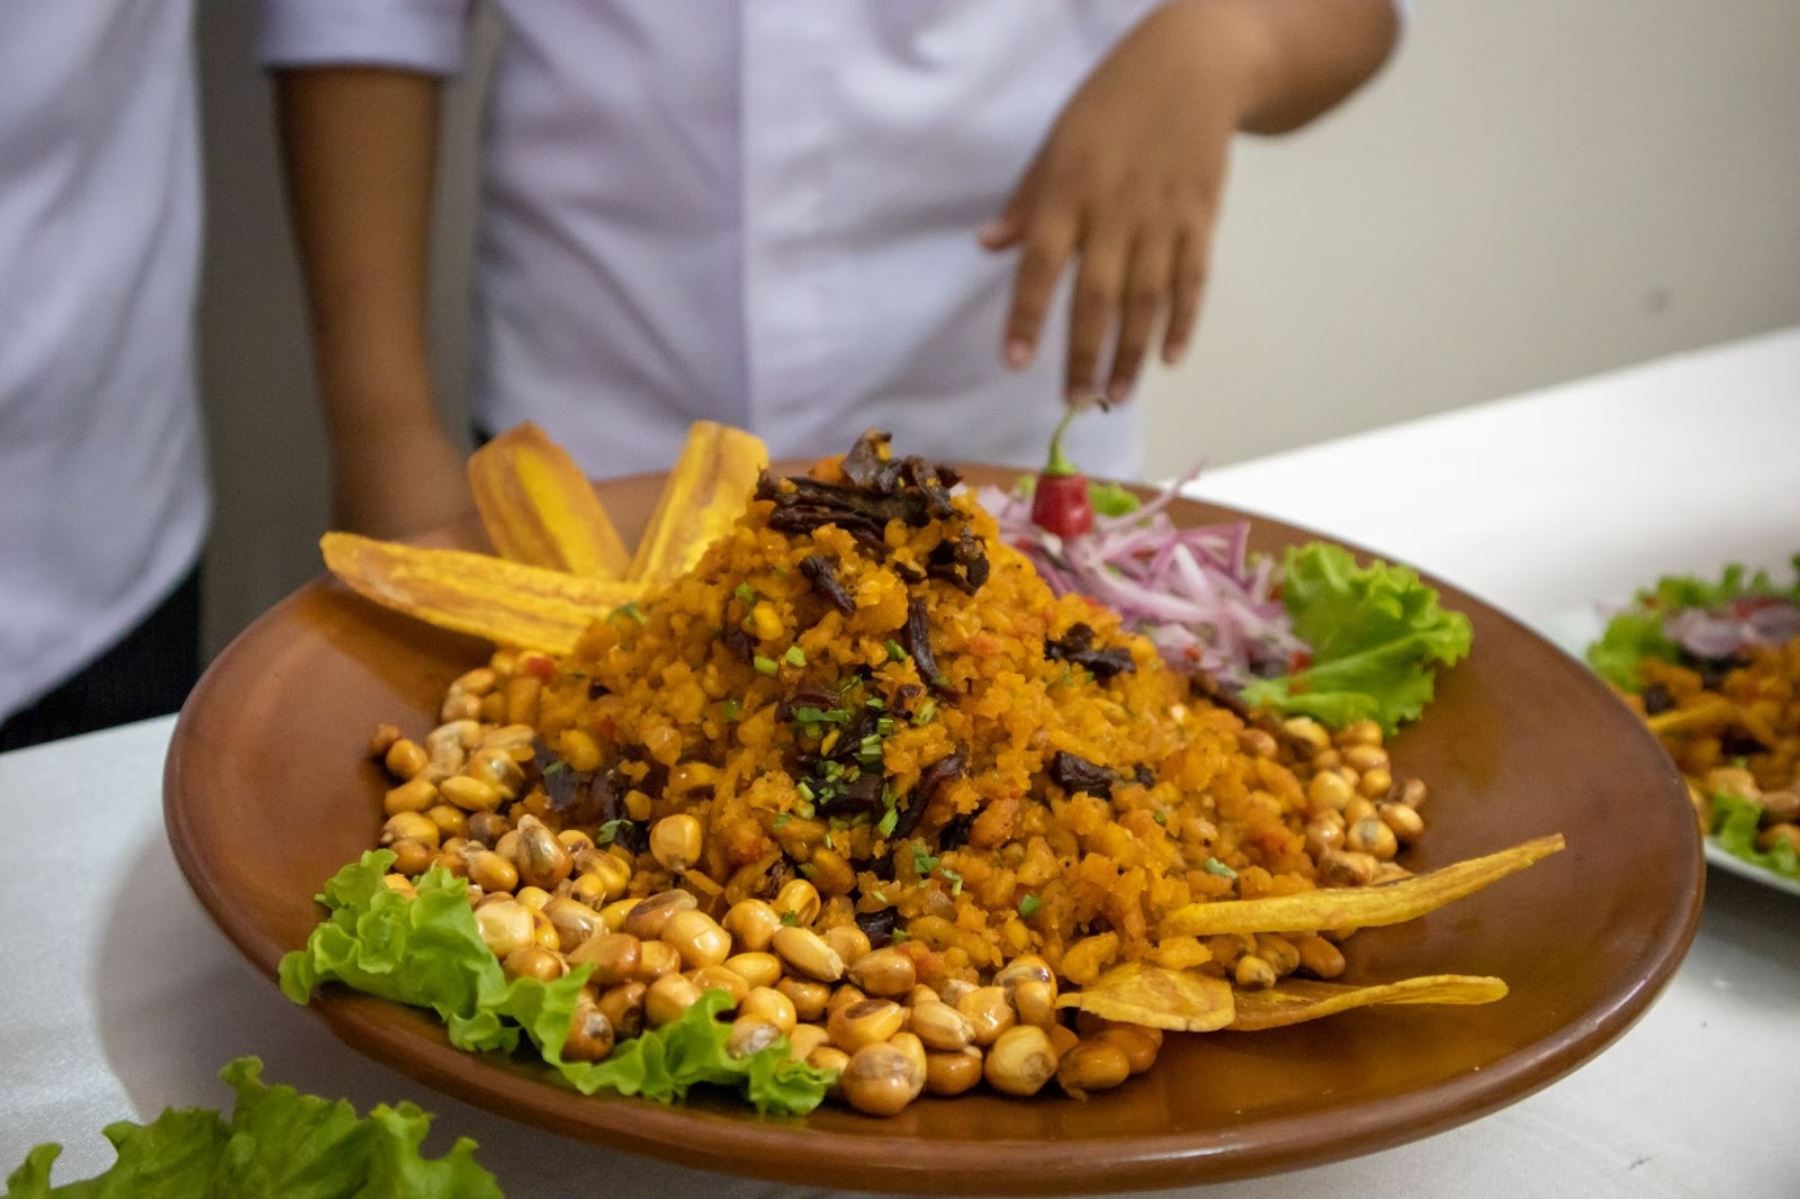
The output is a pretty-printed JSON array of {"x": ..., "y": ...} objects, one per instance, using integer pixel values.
[{"x": 683, "y": 698}]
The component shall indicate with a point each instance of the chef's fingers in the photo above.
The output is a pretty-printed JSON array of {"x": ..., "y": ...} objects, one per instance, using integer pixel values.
[
  {"x": 1097, "y": 285},
  {"x": 1186, "y": 285},
  {"x": 1047, "y": 245},
  {"x": 1146, "y": 293}
]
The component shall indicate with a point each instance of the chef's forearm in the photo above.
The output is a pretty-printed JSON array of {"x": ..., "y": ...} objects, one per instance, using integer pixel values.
[
  {"x": 360, "y": 148},
  {"x": 1303, "y": 57}
]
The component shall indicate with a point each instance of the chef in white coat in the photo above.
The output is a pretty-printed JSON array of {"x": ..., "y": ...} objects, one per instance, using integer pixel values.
[
  {"x": 103, "y": 499},
  {"x": 802, "y": 217}
]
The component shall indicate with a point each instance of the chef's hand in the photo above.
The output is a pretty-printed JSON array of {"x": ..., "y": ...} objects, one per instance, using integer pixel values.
[{"x": 1130, "y": 177}]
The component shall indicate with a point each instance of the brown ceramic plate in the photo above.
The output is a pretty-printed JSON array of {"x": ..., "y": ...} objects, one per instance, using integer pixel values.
[{"x": 268, "y": 793}]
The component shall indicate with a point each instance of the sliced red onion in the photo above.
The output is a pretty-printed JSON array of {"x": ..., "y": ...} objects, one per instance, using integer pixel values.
[
  {"x": 1193, "y": 592},
  {"x": 1724, "y": 634}
]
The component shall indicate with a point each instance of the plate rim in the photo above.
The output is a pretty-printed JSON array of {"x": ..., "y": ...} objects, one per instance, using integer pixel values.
[{"x": 994, "y": 1166}]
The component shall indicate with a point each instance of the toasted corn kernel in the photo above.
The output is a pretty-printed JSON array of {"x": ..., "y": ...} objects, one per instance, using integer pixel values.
[
  {"x": 1139, "y": 1045},
  {"x": 750, "y": 1035},
  {"x": 886, "y": 972},
  {"x": 1021, "y": 1061},
  {"x": 718, "y": 978},
  {"x": 414, "y": 795},
  {"x": 865, "y": 1023},
  {"x": 799, "y": 899},
  {"x": 752, "y": 923},
  {"x": 940, "y": 1026},
  {"x": 410, "y": 856},
  {"x": 809, "y": 998},
  {"x": 804, "y": 1039},
  {"x": 1253, "y": 973},
  {"x": 648, "y": 917},
  {"x": 591, "y": 1035},
  {"x": 414, "y": 825},
  {"x": 952, "y": 1072},
  {"x": 766, "y": 1003},
  {"x": 668, "y": 998},
  {"x": 623, "y": 1007},
  {"x": 406, "y": 759},
  {"x": 469, "y": 793},
  {"x": 615, "y": 957},
  {"x": 657, "y": 960},
  {"x": 757, "y": 969},
  {"x": 1092, "y": 1066},
  {"x": 988, "y": 1013},
  {"x": 879, "y": 1080},
  {"x": 575, "y": 922},
  {"x": 534, "y": 961},
  {"x": 491, "y": 872},
  {"x": 504, "y": 926},
  {"x": 676, "y": 842},
  {"x": 697, "y": 937},
  {"x": 1319, "y": 956},
  {"x": 806, "y": 953},
  {"x": 847, "y": 940}
]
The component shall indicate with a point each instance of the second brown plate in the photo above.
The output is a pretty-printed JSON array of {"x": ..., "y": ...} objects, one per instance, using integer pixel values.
[{"x": 268, "y": 792}]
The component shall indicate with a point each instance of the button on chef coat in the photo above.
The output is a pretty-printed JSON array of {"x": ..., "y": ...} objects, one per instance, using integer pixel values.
[
  {"x": 760, "y": 213},
  {"x": 103, "y": 500}
]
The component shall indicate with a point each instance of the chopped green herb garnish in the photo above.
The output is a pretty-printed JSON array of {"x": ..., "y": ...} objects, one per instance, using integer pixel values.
[
  {"x": 808, "y": 870},
  {"x": 956, "y": 879},
  {"x": 790, "y": 918},
  {"x": 782, "y": 818},
  {"x": 556, "y": 767},
  {"x": 733, "y": 709},
  {"x": 878, "y": 896},
  {"x": 609, "y": 832},
  {"x": 923, "y": 863},
  {"x": 1160, "y": 816},
  {"x": 1214, "y": 866},
  {"x": 822, "y": 715},
  {"x": 744, "y": 593},
  {"x": 896, "y": 652},
  {"x": 926, "y": 711},
  {"x": 630, "y": 611},
  {"x": 795, "y": 656},
  {"x": 898, "y": 936},
  {"x": 804, "y": 810},
  {"x": 765, "y": 665},
  {"x": 806, "y": 790},
  {"x": 1028, "y": 906},
  {"x": 884, "y": 727},
  {"x": 889, "y": 819},
  {"x": 874, "y": 703}
]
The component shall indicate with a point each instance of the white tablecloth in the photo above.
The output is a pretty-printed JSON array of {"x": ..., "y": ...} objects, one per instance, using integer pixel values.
[{"x": 119, "y": 997}]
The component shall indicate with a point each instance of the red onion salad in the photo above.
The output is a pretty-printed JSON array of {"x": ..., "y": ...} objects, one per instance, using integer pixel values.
[
  {"x": 1728, "y": 630},
  {"x": 1195, "y": 593}
]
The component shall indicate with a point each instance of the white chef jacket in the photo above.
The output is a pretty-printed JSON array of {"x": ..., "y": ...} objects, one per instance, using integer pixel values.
[
  {"x": 761, "y": 213},
  {"x": 103, "y": 498}
]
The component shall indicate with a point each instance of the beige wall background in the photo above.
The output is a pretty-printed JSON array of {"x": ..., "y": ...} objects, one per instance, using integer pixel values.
[{"x": 1535, "y": 190}]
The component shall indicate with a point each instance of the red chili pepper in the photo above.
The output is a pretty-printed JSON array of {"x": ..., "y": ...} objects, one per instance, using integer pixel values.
[{"x": 1061, "y": 505}]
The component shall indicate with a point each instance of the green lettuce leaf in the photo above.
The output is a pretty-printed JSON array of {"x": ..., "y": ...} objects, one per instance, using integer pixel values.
[
  {"x": 1636, "y": 633},
  {"x": 1734, "y": 828},
  {"x": 1376, "y": 633},
  {"x": 427, "y": 952},
  {"x": 278, "y": 1143}
]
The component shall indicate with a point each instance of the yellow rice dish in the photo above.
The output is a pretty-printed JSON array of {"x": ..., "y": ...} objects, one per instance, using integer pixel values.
[{"x": 863, "y": 772}]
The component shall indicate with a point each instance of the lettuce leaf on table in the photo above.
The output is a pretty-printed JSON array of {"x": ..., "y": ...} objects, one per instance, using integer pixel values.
[
  {"x": 277, "y": 1143},
  {"x": 1734, "y": 828},
  {"x": 427, "y": 952},
  {"x": 1377, "y": 634},
  {"x": 1637, "y": 633}
]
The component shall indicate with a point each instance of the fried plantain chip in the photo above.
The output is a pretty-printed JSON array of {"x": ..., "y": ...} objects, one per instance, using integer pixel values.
[
  {"x": 706, "y": 491},
  {"x": 1298, "y": 1000},
  {"x": 1356, "y": 907},
  {"x": 508, "y": 603},
  {"x": 539, "y": 509},
  {"x": 1155, "y": 997}
]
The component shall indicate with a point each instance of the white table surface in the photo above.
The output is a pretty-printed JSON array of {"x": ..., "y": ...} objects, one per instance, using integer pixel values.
[{"x": 120, "y": 997}]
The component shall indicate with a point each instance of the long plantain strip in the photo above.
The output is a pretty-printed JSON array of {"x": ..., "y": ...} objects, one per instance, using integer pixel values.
[
  {"x": 1297, "y": 1000},
  {"x": 706, "y": 492},
  {"x": 509, "y": 603},
  {"x": 1357, "y": 907},
  {"x": 539, "y": 509}
]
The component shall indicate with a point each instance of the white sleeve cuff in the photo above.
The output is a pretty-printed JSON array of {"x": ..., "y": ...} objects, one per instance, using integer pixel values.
[{"x": 417, "y": 35}]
